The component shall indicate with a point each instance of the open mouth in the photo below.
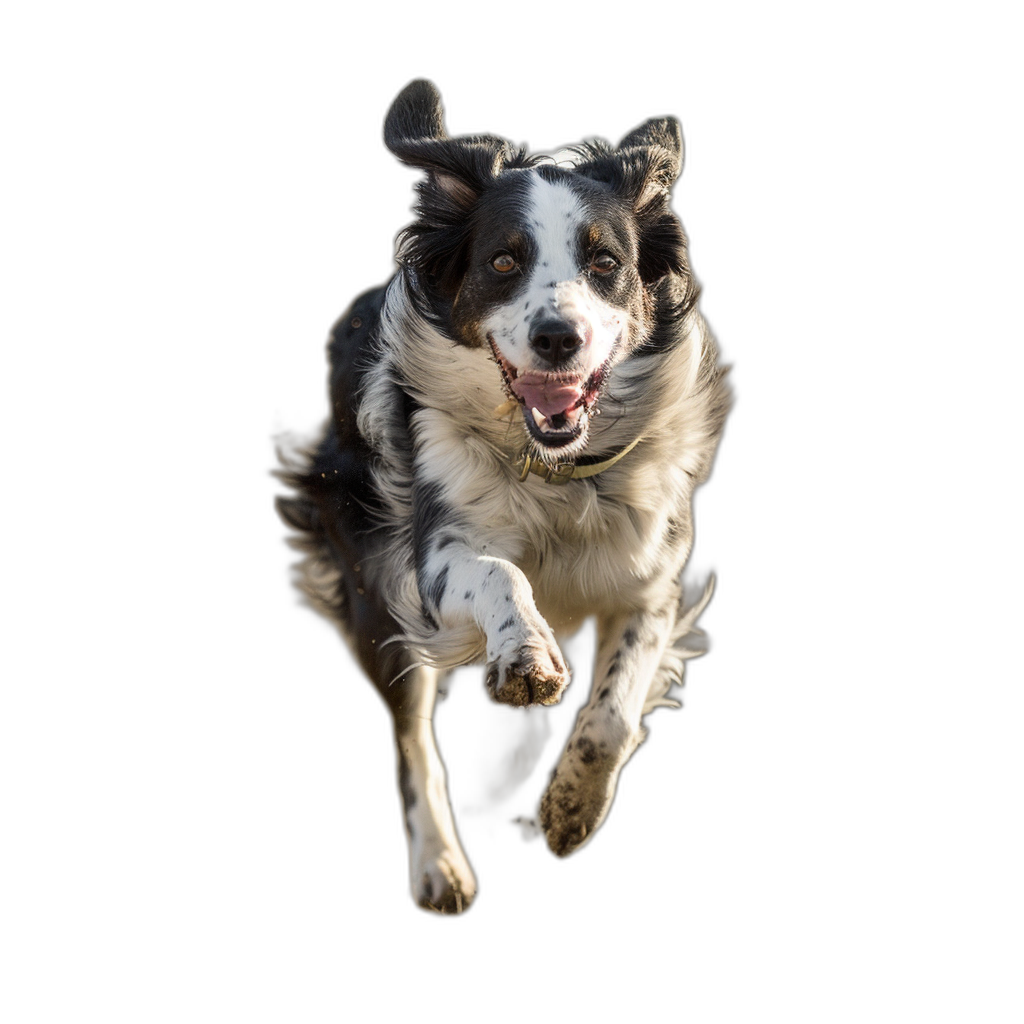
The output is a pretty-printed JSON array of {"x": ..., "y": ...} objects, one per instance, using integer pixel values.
[{"x": 556, "y": 406}]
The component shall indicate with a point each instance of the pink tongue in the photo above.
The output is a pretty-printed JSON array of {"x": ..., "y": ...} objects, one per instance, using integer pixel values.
[{"x": 549, "y": 396}]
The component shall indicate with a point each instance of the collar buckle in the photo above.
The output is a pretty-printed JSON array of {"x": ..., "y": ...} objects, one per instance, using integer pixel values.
[{"x": 561, "y": 473}]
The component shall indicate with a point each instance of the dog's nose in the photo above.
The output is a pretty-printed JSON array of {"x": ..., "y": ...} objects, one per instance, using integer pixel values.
[{"x": 555, "y": 341}]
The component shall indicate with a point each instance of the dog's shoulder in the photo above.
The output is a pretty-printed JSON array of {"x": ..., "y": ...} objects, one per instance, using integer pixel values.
[
  {"x": 334, "y": 479},
  {"x": 351, "y": 352}
]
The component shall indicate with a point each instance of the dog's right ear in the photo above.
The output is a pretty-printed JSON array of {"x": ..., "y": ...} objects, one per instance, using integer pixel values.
[
  {"x": 461, "y": 168},
  {"x": 415, "y": 120}
]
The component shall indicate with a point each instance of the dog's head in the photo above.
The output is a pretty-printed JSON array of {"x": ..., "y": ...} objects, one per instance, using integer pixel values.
[{"x": 559, "y": 272}]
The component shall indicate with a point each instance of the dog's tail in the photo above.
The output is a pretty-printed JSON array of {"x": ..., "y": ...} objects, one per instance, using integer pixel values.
[{"x": 687, "y": 641}]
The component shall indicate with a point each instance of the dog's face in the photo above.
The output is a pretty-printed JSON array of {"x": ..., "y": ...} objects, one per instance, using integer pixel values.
[
  {"x": 550, "y": 269},
  {"x": 551, "y": 285}
]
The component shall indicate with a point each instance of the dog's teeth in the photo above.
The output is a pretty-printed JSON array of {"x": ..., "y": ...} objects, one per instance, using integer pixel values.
[{"x": 539, "y": 418}]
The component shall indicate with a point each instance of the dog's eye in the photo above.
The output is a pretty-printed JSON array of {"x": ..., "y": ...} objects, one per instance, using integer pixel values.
[
  {"x": 603, "y": 264},
  {"x": 503, "y": 263}
]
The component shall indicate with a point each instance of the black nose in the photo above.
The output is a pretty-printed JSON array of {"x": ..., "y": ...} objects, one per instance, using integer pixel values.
[{"x": 555, "y": 341}]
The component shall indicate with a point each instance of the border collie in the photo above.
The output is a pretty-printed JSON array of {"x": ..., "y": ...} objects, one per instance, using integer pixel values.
[{"x": 520, "y": 417}]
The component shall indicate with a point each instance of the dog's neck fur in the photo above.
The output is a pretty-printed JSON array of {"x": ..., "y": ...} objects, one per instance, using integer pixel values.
[{"x": 465, "y": 384}]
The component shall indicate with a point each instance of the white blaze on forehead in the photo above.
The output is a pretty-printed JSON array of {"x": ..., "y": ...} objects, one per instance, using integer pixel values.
[{"x": 555, "y": 217}]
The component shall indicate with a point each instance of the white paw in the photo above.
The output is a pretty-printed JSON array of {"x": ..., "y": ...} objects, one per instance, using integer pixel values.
[{"x": 443, "y": 883}]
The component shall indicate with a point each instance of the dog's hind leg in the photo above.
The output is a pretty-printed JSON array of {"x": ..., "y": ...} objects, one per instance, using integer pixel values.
[
  {"x": 630, "y": 651},
  {"x": 440, "y": 874}
]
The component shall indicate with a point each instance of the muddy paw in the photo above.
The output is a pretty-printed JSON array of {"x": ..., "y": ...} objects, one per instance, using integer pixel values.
[
  {"x": 531, "y": 675},
  {"x": 444, "y": 885},
  {"x": 577, "y": 798}
]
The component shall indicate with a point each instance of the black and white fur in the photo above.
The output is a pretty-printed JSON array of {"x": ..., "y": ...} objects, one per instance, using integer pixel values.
[{"x": 544, "y": 314}]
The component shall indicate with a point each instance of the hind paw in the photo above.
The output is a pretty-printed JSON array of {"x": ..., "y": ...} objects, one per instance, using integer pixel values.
[{"x": 581, "y": 790}]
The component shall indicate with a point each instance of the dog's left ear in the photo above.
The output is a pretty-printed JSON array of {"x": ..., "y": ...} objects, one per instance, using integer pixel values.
[
  {"x": 642, "y": 169},
  {"x": 650, "y": 158}
]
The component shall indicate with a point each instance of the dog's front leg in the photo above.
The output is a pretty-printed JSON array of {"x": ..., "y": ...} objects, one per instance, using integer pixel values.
[
  {"x": 459, "y": 587},
  {"x": 608, "y": 728}
]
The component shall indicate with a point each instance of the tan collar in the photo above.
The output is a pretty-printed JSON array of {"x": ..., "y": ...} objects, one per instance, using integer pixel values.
[{"x": 563, "y": 472}]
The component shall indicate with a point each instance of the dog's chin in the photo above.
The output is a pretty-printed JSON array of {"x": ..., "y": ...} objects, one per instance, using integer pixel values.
[
  {"x": 556, "y": 407},
  {"x": 561, "y": 435}
]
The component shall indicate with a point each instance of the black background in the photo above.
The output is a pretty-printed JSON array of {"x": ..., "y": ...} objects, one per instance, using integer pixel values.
[{"x": 723, "y": 824}]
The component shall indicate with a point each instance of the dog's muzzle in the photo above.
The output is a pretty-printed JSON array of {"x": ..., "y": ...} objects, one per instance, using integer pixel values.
[{"x": 556, "y": 406}]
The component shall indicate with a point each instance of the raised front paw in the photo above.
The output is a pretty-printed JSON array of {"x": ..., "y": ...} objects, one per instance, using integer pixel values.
[
  {"x": 533, "y": 673},
  {"x": 443, "y": 883},
  {"x": 580, "y": 793}
]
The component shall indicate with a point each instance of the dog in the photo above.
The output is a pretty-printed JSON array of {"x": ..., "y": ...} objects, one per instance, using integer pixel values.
[{"x": 519, "y": 419}]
